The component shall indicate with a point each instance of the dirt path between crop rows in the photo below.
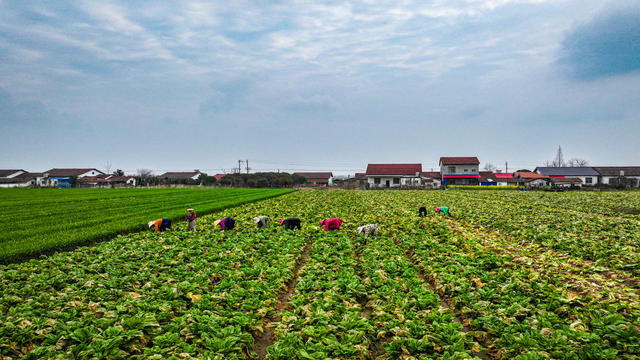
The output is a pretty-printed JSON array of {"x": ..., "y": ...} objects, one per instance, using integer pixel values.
[
  {"x": 445, "y": 302},
  {"x": 573, "y": 272},
  {"x": 268, "y": 338}
]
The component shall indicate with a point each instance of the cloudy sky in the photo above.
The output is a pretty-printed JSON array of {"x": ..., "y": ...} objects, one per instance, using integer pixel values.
[{"x": 330, "y": 85}]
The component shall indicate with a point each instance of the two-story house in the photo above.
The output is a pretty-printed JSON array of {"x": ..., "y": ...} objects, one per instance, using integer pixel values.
[{"x": 460, "y": 170}]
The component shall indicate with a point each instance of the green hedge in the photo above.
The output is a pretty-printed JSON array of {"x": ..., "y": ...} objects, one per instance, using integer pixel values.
[{"x": 481, "y": 187}]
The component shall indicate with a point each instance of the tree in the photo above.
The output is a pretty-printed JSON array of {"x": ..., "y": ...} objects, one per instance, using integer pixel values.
[
  {"x": 577, "y": 162},
  {"x": 144, "y": 176},
  {"x": 490, "y": 167},
  {"x": 118, "y": 172}
]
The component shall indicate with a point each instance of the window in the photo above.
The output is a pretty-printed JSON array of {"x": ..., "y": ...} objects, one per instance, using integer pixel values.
[
  {"x": 466, "y": 170},
  {"x": 452, "y": 170},
  {"x": 376, "y": 181},
  {"x": 396, "y": 181},
  {"x": 588, "y": 180}
]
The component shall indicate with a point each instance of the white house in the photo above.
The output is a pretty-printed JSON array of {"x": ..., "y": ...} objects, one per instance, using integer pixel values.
[
  {"x": 587, "y": 175},
  {"x": 64, "y": 177},
  {"x": 619, "y": 175},
  {"x": 393, "y": 175},
  {"x": 27, "y": 179},
  {"x": 460, "y": 170},
  {"x": 431, "y": 179},
  {"x": 316, "y": 178}
]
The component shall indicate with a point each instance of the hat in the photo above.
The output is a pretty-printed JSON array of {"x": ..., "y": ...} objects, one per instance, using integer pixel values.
[
  {"x": 438, "y": 208},
  {"x": 281, "y": 221},
  {"x": 360, "y": 229},
  {"x": 321, "y": 222},
  {"x": 256, "y": 220},
  {"x": 150, "y": 223},
  {"x": 190, "y": 209}
]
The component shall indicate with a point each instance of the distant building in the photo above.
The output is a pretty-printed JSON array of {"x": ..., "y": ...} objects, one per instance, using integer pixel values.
[
  {"x": 316, "y": 178},
  {"x": 587, "y": 175},
  {"x": 64, "y": 177},
  {"x": 460, "y": 170},
  {"x": 393, "y": 175},
  {"x": 566, "y": 181},
  {"x": 530, "y": 179},
  {"x": 503, "y": 179},
  {"x": 628, "y": 176},
  {"x": 431, "y": 179},
  {"x": 11, "y": 173},
  {"x": 185, "y": 175},
  {"x": 219, "y": 176},
  {"x": 107, "y": 181}
]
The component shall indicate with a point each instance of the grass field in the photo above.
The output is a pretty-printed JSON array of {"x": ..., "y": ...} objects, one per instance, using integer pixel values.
[
  {"x": 514, "y": 275},
  {"x": 33, "y": 221}
]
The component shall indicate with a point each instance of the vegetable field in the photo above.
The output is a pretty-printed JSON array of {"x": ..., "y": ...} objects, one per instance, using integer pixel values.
[
  {"x": 512, "y": 276},
  {"x": 33, "y": 221}
]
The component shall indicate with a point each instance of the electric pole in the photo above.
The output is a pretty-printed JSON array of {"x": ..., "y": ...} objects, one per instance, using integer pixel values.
[
  {"x": 506, "y": 167},
  {"x": 247, "y": 165},
  {"x": 239, "y": 163}
]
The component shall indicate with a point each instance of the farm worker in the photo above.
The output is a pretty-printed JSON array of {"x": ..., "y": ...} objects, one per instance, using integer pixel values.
[
  {"x": 291, "y": 223},
  {"x": 369, "y": 230},
  {"x": 191, "y": 219},
  {"x": 443, "y": 209},
  {"x": 422, "y": 212},
  {"x": 160, "y": 224},
  {"x": 331, "y": 224},
  {"x": 262, "y": 221},
  {"x": 226, "y": 223}
]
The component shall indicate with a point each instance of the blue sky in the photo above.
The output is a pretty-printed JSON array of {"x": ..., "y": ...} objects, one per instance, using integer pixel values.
[{"x": 298, "y": 85}]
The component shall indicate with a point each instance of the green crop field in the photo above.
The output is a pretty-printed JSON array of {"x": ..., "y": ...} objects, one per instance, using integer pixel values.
[
  {"x": 513, "y": 275},
  {"x": 33, "y": 221}
]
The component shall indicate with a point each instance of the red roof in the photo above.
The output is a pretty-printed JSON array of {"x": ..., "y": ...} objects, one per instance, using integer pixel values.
[
  {"x": 219, "y": 176},
  {"x": 566, "y": 180},
  {"x": 503, "y": 175},
  {"x": 530, "y": 175},
  {"x": 431, "y": 174},
  {"x": 471, "y": 160},
  {"x": 394, "y": 169}
]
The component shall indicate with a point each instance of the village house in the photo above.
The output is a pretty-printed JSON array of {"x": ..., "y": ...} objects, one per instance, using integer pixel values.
[
  {"x": 393, "y": 175},
  {"x": 8, "y": 174},
  {"x": 431, "y": 179},
  {"x": 460, "y": 170},
  {"x": 530, "y": 179},
  {"x": 504, "y": 179},
  {"x": 178, "y": 176},
  {"x": 316, "y": 178},
  {"x": 565, "y": 182},
  {"x": 107, "y": 181},
  {"x": 587, "y": 175},
  {"x": 65, "y": 177},
  {"x": 627, "y": 176}
]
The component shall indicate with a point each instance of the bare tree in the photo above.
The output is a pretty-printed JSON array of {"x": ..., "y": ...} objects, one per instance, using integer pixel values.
[
  {"x": 490, "y": 167},
  {"x": 144, "y": 176},
  {"x": 577, "y": 162}
]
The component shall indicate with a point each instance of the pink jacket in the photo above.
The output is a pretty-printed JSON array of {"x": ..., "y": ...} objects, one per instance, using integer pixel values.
[{"x": 332, "y": 224}]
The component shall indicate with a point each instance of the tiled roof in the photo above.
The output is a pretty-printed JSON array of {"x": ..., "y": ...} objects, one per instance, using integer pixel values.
[
  {"x": 360, "y": 176},
  {"x": 503, "y": 175},
  {"x": 530, "y": 175},
  {"x": 566, "y": 180},
  {"x": 394, "y": 169},
  {"x": 119, "y": 178},
  {"x": 486, "y": 176},
  {"x": 5, "y": 173},
  {"x": 69, "y": 172},
  {"x": 320, "y": 176},
  {"x": 567, "y": 171},
  {"x": 431, "y": 174},
  {"x": 615, "y": 170},
  {"x": 180, "y": 175},
  {"x": 469, "y": 160},
  {"x": 219, "y": 176}
]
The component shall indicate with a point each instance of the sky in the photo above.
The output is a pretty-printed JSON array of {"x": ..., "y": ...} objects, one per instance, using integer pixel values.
[{"x": 324, "y": 86}]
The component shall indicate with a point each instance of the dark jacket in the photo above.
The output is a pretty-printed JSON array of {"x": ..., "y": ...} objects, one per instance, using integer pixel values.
[{"x": 291, "y": 223}]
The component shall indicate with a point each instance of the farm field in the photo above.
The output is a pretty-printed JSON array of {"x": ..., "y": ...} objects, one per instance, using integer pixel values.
[
  {"x": 36, "y": 220},
  {"x": 503, "y": 279}
]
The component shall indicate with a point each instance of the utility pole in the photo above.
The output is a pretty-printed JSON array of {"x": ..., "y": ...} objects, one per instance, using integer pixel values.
[
  {"x": 247, "y": 165},
  {"x": 506, "y": 167},
  {"x": 239, "y": 163}
]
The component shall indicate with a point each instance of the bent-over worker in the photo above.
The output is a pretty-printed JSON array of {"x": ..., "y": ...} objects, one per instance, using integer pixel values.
[
  {"x": 160, "y": 225},
  {"x": 226, "y": 223},
  {"x": 262, "y": 221},
  {"x": 331, "y": 224},
  {"x": 369, "y": 230},
  {"x": 291, "y": 223}
]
